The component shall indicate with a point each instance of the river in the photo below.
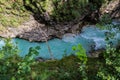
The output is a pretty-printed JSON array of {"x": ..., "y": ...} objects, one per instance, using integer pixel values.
[{"x": 90, "y": 38}]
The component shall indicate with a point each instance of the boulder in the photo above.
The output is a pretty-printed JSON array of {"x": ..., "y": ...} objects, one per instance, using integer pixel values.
[{"x": 112, "y": 8}]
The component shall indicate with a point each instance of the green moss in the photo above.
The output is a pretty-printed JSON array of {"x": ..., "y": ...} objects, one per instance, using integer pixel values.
[{"x": 12, "y": 13}]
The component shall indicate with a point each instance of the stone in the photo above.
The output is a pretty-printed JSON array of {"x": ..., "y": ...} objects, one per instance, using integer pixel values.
[
  {"x": 68, "y": 35},
  {"x": 112, "y": 8}
]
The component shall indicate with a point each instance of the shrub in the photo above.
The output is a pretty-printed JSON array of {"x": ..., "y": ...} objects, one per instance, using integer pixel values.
[
  {"x": 14, "y": 67},
  {"x": 81, "y": 54},
  {"x": 110, "y": 70}
]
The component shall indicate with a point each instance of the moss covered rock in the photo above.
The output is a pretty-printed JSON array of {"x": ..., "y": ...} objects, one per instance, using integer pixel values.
[
  {"x": 57, "y": 10},
  {"x": 12, "y": 13},
  {"x": 63, "y": 10}
]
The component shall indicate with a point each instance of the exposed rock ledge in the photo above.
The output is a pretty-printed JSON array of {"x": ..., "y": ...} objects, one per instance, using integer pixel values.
[
  {"x": 34, "y": 31},
  {"x": 112, "y": 8}
]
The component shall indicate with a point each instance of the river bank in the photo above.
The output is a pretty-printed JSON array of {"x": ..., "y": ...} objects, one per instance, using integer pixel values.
[
  {"x": 33, "y": 30},
  {"x": 91, "y": 38}
]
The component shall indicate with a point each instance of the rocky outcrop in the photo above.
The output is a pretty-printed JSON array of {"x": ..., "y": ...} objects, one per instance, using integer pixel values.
[
  {"x": 112, "y": 8},
  {"x": 33, "y": 31}
]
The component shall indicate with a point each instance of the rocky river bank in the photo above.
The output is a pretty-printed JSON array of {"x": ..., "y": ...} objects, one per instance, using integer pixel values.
[{"x": 33, "y": 30}]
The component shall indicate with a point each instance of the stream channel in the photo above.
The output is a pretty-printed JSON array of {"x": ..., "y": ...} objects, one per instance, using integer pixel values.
[{"x": 90, "y": 37}]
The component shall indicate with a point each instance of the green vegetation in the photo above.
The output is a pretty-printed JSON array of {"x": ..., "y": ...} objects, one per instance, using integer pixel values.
[
  {"x": 57, "y": 10},
  {"x": 14, "y": 67},
  {"x": 12, "y": 13},
  {"x": 63, "y": 10},
  {"x": 68, "y": 10},
  {"x": 81, "y": 54},
  {"x": 15, "y": 12},
  {"x": 110, "y": 70}
]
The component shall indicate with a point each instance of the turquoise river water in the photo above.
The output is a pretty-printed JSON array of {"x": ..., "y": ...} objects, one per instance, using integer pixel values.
[{"x": 90, "y": 36}]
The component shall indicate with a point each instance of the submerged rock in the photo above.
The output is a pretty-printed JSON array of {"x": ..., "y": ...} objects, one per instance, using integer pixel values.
[
  {"x": 96, "y": 53},
  {"x": 69, "y": 37}
]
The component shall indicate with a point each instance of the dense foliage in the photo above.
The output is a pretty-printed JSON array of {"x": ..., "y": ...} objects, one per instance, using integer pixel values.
[
  {"x": 57, "y": 10},
  {"x": 13, "y": 66},
  {"x": 15, "y": 12},
  {"x": 110, "y": 70},
  {"x": 62, "y": 10}
]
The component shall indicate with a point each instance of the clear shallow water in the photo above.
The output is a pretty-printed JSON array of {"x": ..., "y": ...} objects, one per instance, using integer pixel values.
[
  {"x": 89, "y": 37},
  {"x": 57, "y": 46}
]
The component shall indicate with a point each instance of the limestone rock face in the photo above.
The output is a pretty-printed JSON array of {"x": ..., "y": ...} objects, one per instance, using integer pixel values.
[
  {"x": 35, "y": 31},
  {"x": 112, "y": 8}
]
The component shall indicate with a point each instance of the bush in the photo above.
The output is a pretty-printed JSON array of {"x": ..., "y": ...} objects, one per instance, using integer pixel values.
[
  {"x": 14, "y": 67},
  {"x": 61, "y": 10},
  {"x": 81, "y": 54},
  {"x": 110, "y": 70}
]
